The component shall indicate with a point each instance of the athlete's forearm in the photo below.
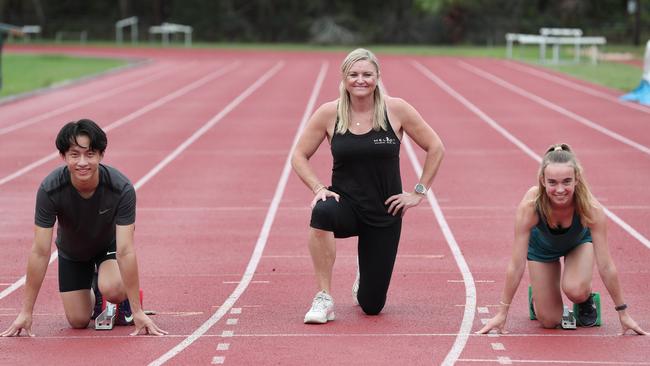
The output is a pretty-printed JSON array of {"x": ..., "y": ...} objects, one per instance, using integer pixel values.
[
  {"x": 300, "y": 165},
  {"x": 128, "y": 265},
  {"x": 36, "y": 268},
  {"x": 432, "y": 163},
  {"x": 514, "y": 273},
  {"x": 609, "y": 276}
]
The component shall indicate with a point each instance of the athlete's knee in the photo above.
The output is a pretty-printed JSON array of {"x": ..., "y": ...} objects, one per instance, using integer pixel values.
[
  {"x": 548, "y": 321},
  {"x": 578, "y": 292},
  {"x": 371, "y": 304},
  {"x": 322, "y": 214},
  {"x": 78, "y": 321},
  {"x": 112, "y": 291}
]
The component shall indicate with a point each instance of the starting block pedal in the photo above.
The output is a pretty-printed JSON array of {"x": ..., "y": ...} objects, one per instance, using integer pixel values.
[
  {"x": 106, "y": 319},
  {"x": 568, "y": 319}
]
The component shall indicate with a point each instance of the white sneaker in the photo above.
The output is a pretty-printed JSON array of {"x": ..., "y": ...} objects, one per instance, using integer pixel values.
[
  {"x": 322, "y": 309},
  {"x": 355, "y": 288}
]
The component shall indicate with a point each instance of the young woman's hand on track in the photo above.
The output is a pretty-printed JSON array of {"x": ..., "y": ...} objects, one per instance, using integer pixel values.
[
  {"x": 403, "y": 202},
  {"x": 498, "y": 322},
  {"x": 23, "y": 321},
  {"x": 142, "y": 321},
  {"x": 627, "y": 323},
  {"x": 322, "y": 195}
]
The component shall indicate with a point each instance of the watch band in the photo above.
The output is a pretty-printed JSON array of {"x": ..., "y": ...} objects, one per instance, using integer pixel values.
[{"x": 620, "y": 307}]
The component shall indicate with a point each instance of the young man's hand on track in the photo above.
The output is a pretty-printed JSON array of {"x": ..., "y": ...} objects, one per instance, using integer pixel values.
[
  {"x": 142, "y": 321},
  {"x": 23, "y": 321}
]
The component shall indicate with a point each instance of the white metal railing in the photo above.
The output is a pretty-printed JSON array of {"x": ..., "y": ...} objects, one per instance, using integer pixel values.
[
  {"x": 556, "y": 37},
  {"x": 165, "y": 29}
]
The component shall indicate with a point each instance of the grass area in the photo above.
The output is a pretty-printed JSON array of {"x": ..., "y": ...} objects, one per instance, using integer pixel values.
[{"x": 23, "y": 73}]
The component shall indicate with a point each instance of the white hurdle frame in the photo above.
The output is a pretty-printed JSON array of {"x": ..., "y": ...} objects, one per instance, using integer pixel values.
[{"x": 123, "y": 23}]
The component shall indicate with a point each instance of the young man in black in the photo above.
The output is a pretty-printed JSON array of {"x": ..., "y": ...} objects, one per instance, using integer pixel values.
[{"x": 94, "y": 205}]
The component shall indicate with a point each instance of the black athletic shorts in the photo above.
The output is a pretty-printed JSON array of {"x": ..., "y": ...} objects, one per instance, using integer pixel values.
[{"x": 79, "y": 275}]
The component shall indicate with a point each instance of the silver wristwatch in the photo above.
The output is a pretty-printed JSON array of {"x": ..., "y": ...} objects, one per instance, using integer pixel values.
[{"x": 420, "y": 189}]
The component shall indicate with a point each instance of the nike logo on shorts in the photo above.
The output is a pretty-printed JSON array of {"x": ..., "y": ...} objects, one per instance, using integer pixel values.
[{"x": 109, "y": 253}]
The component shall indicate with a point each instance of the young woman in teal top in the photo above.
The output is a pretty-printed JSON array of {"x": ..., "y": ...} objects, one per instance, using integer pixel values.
[{"x": 560, "y": 218}]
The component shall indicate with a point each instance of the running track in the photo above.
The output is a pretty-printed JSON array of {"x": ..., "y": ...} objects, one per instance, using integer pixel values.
[{"x": 222, "y": 221}]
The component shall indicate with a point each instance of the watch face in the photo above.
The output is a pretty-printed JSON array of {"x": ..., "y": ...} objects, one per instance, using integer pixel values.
[{"x": 420, "y": 188}]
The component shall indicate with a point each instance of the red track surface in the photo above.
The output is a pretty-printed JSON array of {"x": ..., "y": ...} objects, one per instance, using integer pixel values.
[{"x": 201, "y": 216}]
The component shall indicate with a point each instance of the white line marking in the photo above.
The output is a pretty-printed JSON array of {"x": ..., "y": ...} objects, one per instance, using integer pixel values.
[
  {"x": 261, "y": 241},
  {"x": 223, "y": 346},
  {"x": 232, "y": 321},
  {"x": 475, "y": 281},
  {"x": 218, "y": 360},
  {"x": 494, "y": 335},
  {"x": 235, "y": 311},
  {"x": 213, "y": 121},
  {"x": 227, "y": 333},
  {"x": 130, "y": 117},
  {"x": 575, "y": 86},
  {"x": 555, "y": 107},
  {"x": 95, "y": 97},
  {"x": 498, "y": 346},
  {"x": 483, "y": 310},
  {"x": 504, "y": 360},
  {"x": 630, "y": 230},
  {"x": 562, "y": 362},
  {"x": 470, "y": 288},
  {"x": 236, "y": 282},
  {"x": 485, "y": 321}
]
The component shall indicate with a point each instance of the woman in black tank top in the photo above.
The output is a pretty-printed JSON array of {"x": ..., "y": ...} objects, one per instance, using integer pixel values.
[{"x": 365, "y": 199}]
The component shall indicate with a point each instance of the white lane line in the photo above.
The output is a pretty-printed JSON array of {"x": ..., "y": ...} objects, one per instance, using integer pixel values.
[
  {"x": 575, "y": 86},
  {"x": 550, "y": 105},
  {"x": 629, "y": 229},
  {"x": 470, "y": 288},
  {"x": 504, "y": 360},
  {"x": 577, "y": 336},
  {"x": 93, "y": 98},
  {"x": 261, "y": 240},
  {"x": 561, "y": 362},
  {"x": 236, "y": 282},
  {"x": 130, "y": 117},
  {"x": 232, "y": 321},
  {"x": 235, "y": 311},
  {"x": 498, "y": 346},
  {"x": 223, "y": 346},
  {"x": 483, "y": 310},
  {"x": 175, "y": 153},
  {"x": 227, "y": 333},
  {"x": 218, "y": 360}
]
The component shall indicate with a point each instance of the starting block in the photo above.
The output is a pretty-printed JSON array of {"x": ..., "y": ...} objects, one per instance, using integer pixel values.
[
  {"x": 106, "y": 319},
  {"x": 569, "y": 318}
]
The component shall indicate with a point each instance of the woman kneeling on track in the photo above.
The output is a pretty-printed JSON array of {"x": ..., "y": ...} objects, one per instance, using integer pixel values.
[
  {"x": 94, "y": 205},
  {"x": 364, "y": 127},
  {"x": 560, "y": 218}
]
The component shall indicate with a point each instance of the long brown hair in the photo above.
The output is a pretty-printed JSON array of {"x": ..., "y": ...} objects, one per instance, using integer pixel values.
[
  {"x": 344, "y": 111},
  {"x": 583, "y": 200}
]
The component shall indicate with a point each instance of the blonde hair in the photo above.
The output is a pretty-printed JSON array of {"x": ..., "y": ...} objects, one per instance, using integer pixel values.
[
  {"x": 584, "y": 201},
  {"x": 344, "y": 111}
]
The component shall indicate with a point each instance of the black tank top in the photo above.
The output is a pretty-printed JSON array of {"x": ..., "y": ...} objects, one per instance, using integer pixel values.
[{"x": 366, "y": 172}]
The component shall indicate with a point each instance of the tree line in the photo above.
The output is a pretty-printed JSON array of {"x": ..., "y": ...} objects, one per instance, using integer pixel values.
[{"x": 338, "y": 21}]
